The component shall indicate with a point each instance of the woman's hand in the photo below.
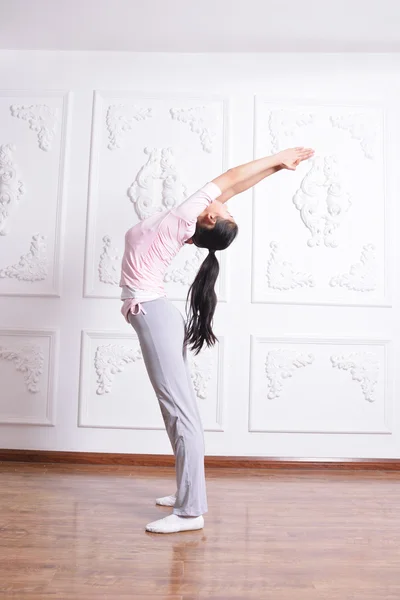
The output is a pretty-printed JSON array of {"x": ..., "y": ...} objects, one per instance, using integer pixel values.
[{"x": 292, "y": 157}]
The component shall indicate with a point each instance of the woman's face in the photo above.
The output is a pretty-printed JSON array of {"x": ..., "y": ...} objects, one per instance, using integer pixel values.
[{"x": 216, "y": 210}]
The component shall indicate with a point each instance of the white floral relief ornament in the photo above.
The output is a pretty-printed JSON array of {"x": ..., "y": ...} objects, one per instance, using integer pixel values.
[
  {"x": 322, "y": 201},
  {"x": 185, "y": 275},
  {"x": 281, "y": 274},
  {"x": 11, "y": 187},
  {"x": 29, "y": 361},
  {"x": 201, "y": 372},
  {"x": 281, "y": 365},
  {"x": 41, "y": 118},
  {"x": 110, "y": 263},
  {"x": 32, "y": 266},
  {"x": 361, "y": 127},
  {"x": 160, "y": 167},
  {"x": 199, "y": 119},
  {"x": 363, "y": 367},
  {"x": 362, "y": 276},
  {"x": 282, "y": 124},
  {"x": 120, "y": 119},
  {"x": 109, "y": 360}
]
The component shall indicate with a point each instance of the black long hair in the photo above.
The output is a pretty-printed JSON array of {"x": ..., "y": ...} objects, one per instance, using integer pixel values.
[{"x": 202, "y": 299}]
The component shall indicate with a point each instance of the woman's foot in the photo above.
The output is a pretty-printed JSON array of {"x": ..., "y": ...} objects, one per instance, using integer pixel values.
[
  {"x": 166, "y": 500},
  {"x": 174, "y": 524}
]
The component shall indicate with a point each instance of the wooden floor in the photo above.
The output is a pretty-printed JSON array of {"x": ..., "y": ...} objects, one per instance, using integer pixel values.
[{"x": 77, "y": 532}]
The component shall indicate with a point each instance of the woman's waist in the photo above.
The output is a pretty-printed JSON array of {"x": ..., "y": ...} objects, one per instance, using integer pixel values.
[{"x": 141, "y": 295}]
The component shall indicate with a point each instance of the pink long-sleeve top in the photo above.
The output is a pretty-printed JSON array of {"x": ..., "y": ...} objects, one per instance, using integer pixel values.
[{"x": 151, "y": 245}]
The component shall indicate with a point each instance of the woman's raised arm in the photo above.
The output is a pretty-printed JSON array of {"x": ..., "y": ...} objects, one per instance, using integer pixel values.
[{"x": 241, "y": 178}]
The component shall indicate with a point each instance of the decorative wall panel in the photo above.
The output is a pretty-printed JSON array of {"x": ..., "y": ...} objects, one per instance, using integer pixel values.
[
  {"x": 116, "y": 392},
  {"x": 28, "y": 361},
  {"x": 33, "y": 147},
  {"x": 331, "y": 211},
  {"x": 148, "y": 154},
  {"x": 305, "y": 385}
]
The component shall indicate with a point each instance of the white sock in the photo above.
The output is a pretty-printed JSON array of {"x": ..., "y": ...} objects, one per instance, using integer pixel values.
[
  {"x": 166, "y": 500},
  {"x": 173, "y": 524}
]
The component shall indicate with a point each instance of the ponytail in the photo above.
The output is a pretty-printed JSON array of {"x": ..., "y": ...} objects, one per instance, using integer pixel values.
[{"x": 202, "y": 301}]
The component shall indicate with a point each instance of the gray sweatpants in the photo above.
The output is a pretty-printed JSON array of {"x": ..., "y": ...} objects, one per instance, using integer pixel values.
[{"x": 161, "y": 336}]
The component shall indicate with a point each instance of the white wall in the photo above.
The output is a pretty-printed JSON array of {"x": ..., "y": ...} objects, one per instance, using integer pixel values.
[{"x": 308, "y": 312}]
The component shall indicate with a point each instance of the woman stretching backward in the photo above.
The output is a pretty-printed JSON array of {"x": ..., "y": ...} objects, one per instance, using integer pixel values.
[{"x": 204, "y": 220}]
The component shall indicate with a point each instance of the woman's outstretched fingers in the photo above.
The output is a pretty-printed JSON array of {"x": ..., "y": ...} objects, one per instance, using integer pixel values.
[{"x": 305, "y": 154}]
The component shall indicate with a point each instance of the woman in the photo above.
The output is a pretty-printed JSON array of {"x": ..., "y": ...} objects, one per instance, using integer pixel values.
[{"x": 150, "y": 246}]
